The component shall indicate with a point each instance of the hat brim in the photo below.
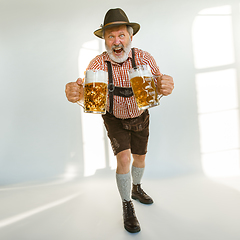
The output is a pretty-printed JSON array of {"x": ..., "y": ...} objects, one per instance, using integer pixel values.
[{"x": 99, "y": 32}]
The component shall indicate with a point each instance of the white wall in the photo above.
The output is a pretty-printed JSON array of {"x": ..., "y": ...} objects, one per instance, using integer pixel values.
[{"x": 39, "y": 46}]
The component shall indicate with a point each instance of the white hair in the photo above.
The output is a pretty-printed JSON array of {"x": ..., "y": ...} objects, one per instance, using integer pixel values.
[{"x": 130, "y": 30}]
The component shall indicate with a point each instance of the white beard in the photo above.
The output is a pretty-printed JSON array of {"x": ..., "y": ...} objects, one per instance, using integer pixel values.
[{"x": 125, "y": 53}]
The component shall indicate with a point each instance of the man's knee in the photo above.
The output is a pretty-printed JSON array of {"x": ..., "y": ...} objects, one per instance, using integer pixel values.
[
  {"x": 123, "y": 161},
  {"x": 124, "y": 157},
  {"x": 139, "y": 158}
]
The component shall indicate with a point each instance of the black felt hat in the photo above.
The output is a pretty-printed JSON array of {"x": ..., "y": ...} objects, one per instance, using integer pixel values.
[{"x": 116, "y": 17}]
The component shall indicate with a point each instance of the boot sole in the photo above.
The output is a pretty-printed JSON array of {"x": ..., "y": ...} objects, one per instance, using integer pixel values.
[
  {"x": 133, "y": 230},
  {"x": 135, "y": 198}
]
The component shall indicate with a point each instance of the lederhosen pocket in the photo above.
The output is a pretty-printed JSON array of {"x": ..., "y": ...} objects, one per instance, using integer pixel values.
[{"x": 136, "y": 124}]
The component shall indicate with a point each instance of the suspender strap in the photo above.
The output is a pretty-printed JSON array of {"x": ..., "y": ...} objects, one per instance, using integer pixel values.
[
  {"x": 110, "y": 87},
  {"x": 118, "y": 91},
  {"x": 133, "y": 59}
]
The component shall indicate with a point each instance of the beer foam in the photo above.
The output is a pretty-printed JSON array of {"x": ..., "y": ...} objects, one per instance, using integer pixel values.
[
  {"x": 134, "y": 74},
  {"x": 146, "y": 73},
  {"x": 96, "y": 76},
  {"x": 140, "y": 71}
]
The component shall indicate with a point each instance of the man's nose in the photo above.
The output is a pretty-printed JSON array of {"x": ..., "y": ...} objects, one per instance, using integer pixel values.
[{"x": 117, "y": 41}]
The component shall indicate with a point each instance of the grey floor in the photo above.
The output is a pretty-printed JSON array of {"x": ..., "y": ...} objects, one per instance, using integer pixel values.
[{"x": 185, "y": 208}]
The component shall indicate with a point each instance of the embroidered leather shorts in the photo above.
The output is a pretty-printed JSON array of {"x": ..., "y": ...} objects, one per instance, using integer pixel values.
[{"x": 129, "y": 133}]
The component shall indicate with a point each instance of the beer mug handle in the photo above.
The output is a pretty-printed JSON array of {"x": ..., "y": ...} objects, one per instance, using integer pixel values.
[
  {"x": 160, "y": 95},
  {"x": 80, "y": 103}
]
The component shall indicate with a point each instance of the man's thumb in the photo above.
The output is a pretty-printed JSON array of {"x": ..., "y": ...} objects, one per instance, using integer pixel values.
[{"x": 79, "y": 81}]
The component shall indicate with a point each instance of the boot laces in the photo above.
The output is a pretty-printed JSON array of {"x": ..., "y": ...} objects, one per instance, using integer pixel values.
[
  {"x": 140, "y": 190},
  {"x": 129, "y": 209}
]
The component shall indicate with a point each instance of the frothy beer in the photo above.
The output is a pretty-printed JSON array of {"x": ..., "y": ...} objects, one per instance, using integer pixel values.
[
  {"x": 95, "y": 91},
  {"x": 143, "y": 86}
]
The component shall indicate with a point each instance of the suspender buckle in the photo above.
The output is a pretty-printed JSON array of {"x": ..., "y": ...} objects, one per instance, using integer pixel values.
[{"x": 111, "y": 87}]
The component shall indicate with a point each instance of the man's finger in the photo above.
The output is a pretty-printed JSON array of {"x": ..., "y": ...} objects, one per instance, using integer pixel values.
[{"x": 79, "y": 81}]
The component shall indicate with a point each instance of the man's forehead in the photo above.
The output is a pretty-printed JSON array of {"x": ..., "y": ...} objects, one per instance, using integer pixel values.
[{"x": 116, "y": 29}]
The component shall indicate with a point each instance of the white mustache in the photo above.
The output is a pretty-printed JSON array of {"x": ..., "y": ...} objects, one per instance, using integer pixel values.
[{"x": 118, "y": 46}]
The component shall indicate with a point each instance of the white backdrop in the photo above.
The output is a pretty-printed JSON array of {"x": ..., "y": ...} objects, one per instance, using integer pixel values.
[{"x": 41, "y": 132}]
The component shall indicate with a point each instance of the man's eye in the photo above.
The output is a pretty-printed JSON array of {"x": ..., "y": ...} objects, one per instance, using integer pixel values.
[
  {"x": 122, "y": 35},
  {"x": 110, "y": 36}
]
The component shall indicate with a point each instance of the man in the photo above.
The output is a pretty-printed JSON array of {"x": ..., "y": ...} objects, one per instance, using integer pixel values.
[{"x": 126, "y": 125}]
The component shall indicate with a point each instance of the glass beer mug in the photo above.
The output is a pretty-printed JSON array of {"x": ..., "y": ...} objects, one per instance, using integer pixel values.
[
  {"x": 95, "y": 91},
  {"x": 143, "y": 86}
]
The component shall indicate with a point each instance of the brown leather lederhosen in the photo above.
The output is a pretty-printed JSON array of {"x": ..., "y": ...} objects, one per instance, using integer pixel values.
[
  {"x": 118, "y": 91},
  {"x": 130, "y": 133}
]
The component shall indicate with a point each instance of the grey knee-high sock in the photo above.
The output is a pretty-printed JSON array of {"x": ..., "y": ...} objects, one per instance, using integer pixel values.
[
  {"x": 124, "y": 185},
  {"x": 137, "y": 174}
]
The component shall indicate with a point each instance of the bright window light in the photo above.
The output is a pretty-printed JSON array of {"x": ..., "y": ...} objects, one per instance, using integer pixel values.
[
  {"x": 217, "y": 91},
  {"x": 93, "y": 143},
  {"x": 223, "y": 163},
  {"x": 212, "y": 41},
  {"x": 217, "y": 94},
  {"x": 216, "y": 10},
  {"x": 70, "y": 172},
  {"x": 219, "y": 131},
  {"x": 88, "y": 51}
]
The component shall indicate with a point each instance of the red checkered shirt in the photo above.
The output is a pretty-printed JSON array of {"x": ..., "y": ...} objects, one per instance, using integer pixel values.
[{"x": 124, "y": 107}]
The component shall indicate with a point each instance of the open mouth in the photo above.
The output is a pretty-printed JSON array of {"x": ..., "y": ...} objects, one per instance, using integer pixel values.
[{"x": 118, "y": 50}]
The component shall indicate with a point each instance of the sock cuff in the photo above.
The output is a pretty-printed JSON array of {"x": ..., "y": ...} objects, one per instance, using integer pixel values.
[
  {"x": 126, "y": 175},
  {"x": 137, "y": 174},
  {"x": 136, "y": 168}
]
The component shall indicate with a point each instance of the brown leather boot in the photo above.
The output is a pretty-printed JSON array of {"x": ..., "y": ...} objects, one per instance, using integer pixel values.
[
  {"x": 138, "y": 193},
  {"x": 131, "y": 223}
]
